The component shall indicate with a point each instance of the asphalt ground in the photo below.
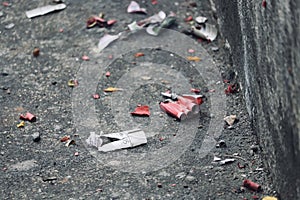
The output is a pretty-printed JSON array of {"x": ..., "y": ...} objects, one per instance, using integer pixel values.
[{"x": 177, "y": 161}]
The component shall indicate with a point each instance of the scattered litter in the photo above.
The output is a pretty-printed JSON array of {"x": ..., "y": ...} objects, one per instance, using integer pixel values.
[
  {"x": 197, "y": 99},
  {"x": 36, "y": 52},
  {"x": 195, "y": 90},
  {"x": 9, "y": 26},
  {"x": 70, "y": 142},
  {"x": 45, "y": 10},
  {"x": 139, "y": 54},
  {"x": 106, "y": 40},
  {"x": 226, "y": 161},
  {"x": 235, "y": 155},
  {"x": 95, "y": 20},
  {"x": 188, "y": 19},
  {"x": 181, "y": 109},
  {"x": 156, "y": 18},
  {"x": 154, "y": 29},
  {"x": 28, "y": 116},
  {"x": 141, "y": 111},
  {"x": 241, "y": 166},
  {"x": 206, "y": 31},
  {"x": 232, "y": 88},
  {"x": 134, "y": 7},
  {"x": 201, "y": 20},
  {"x": 215, "y": 49},
  {"x": 51, "y": 178},
  {"x": 189, "y": 104},
  {"x": 72, "y": 83},
  {"x": 21, "y": 124},
  {"x": 154, "y": 2},
  {"x": 193, "y": 58},
  {"x": 76, "y": 154},
  {"x": 191, "y": 50},
  {"x": 251, "y": 185},
  {"x": 65, "y": 138},
  {"x": 36, "y": 137},
  {"x": 96, "y": 96},
  {"x": 230, "y": 119},
  {"x": 133, "y": 27},
  {"x": 269, "y": 198},
  {"x": 6, "y": 4},
  {"x": 217, "y": 159},
  {"x": 146, "y": 78},
  {"x": 107, "y": 74},
  {"x": 112, "y": 89},
  {"x": 94, "y": 140},
  {"x": 85, "y": 57},
  {"x": 264, "y": 3},
  {"x": 126, "y": 139},
  {"x": 174, "y": 109}
]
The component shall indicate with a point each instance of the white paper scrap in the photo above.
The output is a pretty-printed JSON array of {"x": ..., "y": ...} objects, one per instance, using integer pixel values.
[
  {"x": 135, "y": 7},
  {"x": 44, "y": 10},
  {"x": 207, "y": 31},
  {"x": 127, "y": 139},
  {"x": 94, "y": 140},
  {"x": 228, "y": 160},
  {"x": 106, "y": 40}
]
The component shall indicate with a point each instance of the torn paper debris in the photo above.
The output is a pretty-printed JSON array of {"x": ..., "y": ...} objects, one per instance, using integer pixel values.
[
  {"x": 45, "y": 10},
  {"x": 230, "y": 119},
  {"x": 94, "y": 140},
  {"x": 126, "y": 139},
  {"x": 201, "y": 20},
  {"x": 134, "y": 7},
  {"x": 206, "y": 31},
  {"x": 106, "y": 40}
]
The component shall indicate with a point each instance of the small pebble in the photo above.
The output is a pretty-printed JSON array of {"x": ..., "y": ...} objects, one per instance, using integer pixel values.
[
  {"x": 190, "y": 178},
  {"x": 215, "y": 48},
  {"x": 36, "y": 137},
  {"x": 36, "y": 52},
  {"x": 10, "y": 26}
]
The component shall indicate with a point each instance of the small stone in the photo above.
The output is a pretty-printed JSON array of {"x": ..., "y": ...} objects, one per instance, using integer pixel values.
[
  {"x": 36, "y": 52},
  {"x": 36, "y": 137},
  {"x": 1, "y": 13},
  {"x": 10, "y": 26},
  {"x": 181, "y": 175},
  {"x": 215, "y": 49},
  {"x": 190, "y": 178}
]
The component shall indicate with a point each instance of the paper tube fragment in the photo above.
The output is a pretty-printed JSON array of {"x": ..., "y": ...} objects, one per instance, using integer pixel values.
[
  {"x": 127, "y": 139},
  {"x": 45, "y": 10}
]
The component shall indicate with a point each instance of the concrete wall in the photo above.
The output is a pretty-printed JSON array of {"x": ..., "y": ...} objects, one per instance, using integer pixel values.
[{"x": 264, "y": 46}]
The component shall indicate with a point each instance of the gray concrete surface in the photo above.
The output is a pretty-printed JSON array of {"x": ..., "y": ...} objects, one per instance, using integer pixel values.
[{"x": 264, "y": 46}]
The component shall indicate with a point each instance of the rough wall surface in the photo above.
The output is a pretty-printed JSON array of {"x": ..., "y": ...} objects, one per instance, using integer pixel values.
[{"x": 264, "y": 46}]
